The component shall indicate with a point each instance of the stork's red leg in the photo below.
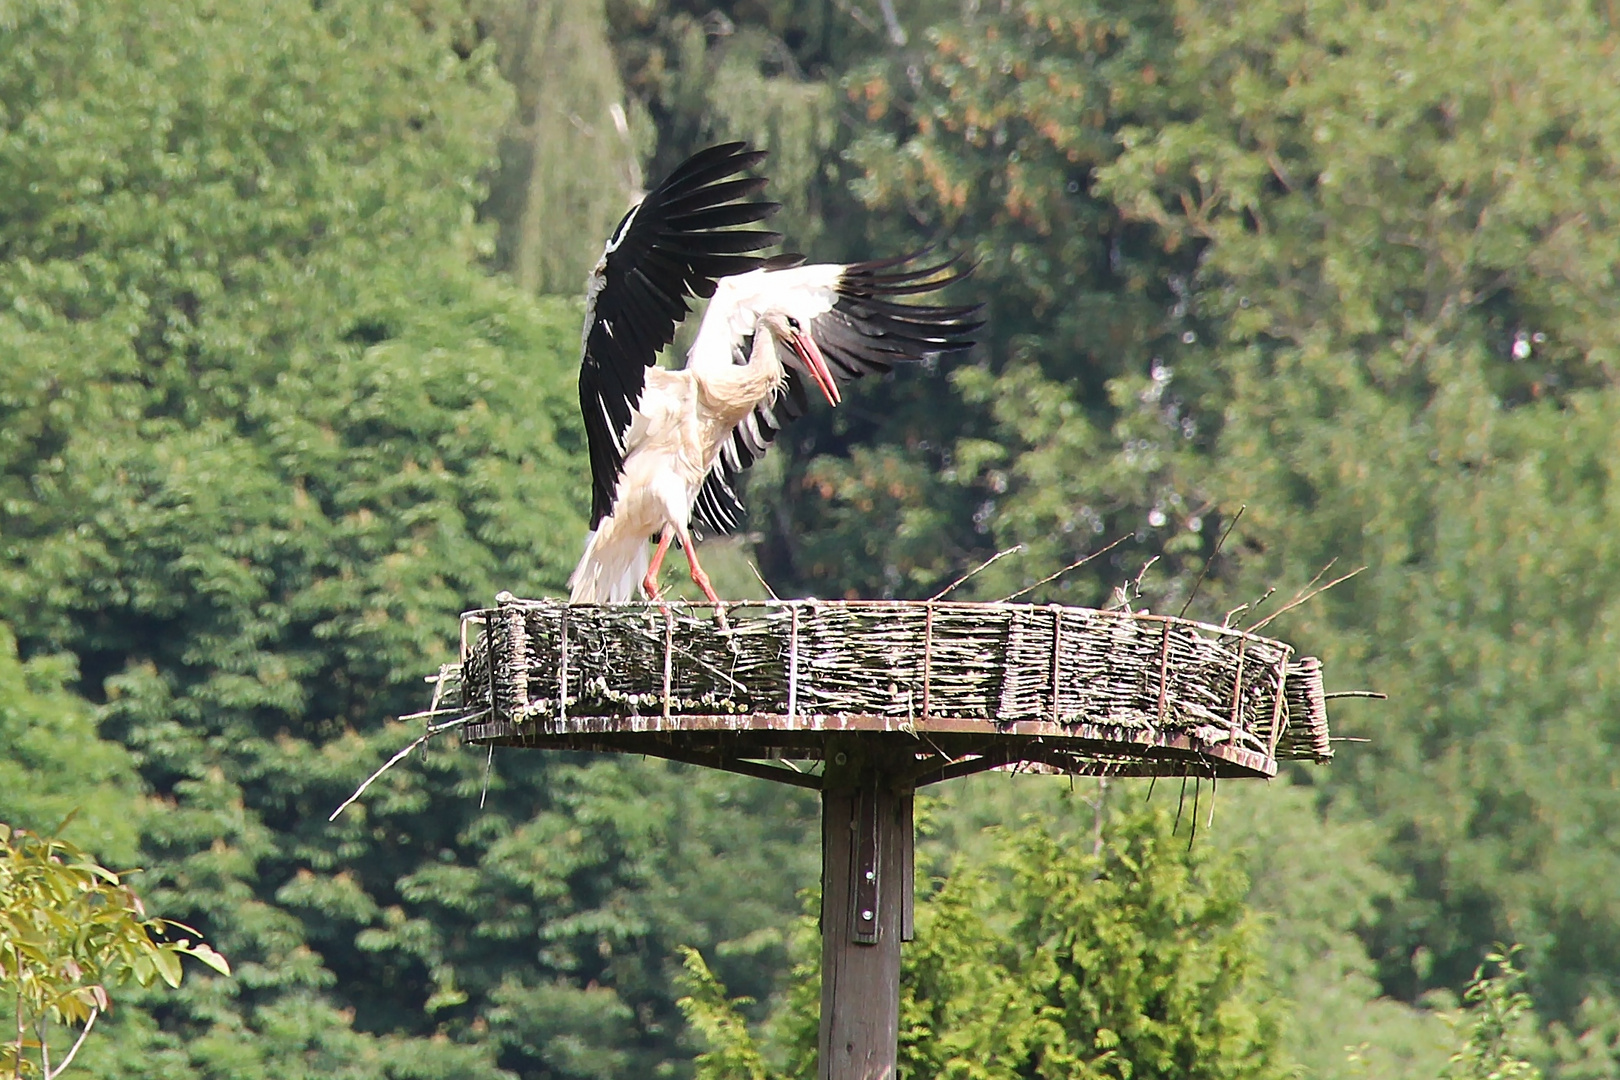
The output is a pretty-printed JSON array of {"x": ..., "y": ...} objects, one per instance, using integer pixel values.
[
  {"x": 649, "y": 584},
  {"x": 698, "y": 576}
]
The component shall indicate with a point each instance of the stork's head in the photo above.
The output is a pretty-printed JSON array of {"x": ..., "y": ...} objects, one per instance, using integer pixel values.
[{"x": 805, "y": 354}]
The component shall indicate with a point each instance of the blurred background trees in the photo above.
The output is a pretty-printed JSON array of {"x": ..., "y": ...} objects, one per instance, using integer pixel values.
[{"x": 289, "y": 316}]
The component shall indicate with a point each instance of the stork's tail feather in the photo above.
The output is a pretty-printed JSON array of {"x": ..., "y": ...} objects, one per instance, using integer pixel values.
[{"x": 612, "y": 567}]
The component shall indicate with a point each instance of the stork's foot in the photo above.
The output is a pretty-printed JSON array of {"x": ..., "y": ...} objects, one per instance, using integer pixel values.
[
  {"x": 709, "y": 593},
  {"x": 701, "y": 580}
]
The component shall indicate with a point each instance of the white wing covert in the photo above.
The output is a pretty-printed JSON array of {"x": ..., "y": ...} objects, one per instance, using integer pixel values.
[{"x": 858, "y": 320}]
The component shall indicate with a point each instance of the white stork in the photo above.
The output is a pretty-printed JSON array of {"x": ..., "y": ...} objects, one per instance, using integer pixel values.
[{"x": 666, "y": 446}]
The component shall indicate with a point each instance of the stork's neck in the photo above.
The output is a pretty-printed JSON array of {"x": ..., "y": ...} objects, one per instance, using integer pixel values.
[{"x": 730, "y": 393}]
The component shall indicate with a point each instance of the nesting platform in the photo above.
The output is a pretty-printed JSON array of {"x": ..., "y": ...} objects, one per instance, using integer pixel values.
[
  {"x": 867, "y": 700},
  {"x": 965, "y": 687}
]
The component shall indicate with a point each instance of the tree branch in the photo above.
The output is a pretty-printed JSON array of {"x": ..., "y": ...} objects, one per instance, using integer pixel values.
[{"x": 88, "y": 1024}]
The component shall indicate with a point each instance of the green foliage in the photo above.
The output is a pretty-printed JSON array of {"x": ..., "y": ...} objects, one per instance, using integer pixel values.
[
  {"x": 964, "y": 1011},
  {"x": 69, "y": 928},
  {"x": 1133, "y": 959},
  {"x": 1588, "y": 1047},
  {"x": 1349, "y": 265},
  {"x": 568, "y": 162},
  {"x": 730, "y": 1053},
  {"x": 1142, "y": 954},
  {"x": 53, "y": 766},
  {"x": 1494, "y": 1028},
  {"x": 990, "y": 133},
  {"x": 1314, "y": 882},
  {"x": 704, "y": 73},
  {"x": 265, "y": 429},
  {"x": 1408, "y": 218}
]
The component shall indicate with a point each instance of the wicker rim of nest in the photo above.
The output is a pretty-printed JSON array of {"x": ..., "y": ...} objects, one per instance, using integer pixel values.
[{"x": 1175, "y": 692}]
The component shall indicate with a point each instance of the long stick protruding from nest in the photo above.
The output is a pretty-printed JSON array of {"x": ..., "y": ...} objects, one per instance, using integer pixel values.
[
  {"x": 1015, "y": 549},
  {"x": 1072, "y": 566},
  {"x": 1304, "y": 597},
  {"x": 436, "y": 729},
  {"x": 1230, "y": 525}
]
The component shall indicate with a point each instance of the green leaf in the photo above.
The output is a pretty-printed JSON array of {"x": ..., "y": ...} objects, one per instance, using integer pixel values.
[
  {"x": 208, "y": 956},
  {"x": 167, "y": 961}
]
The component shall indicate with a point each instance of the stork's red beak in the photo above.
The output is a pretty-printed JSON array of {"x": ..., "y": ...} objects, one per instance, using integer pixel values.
[{"x": 810, "y": 353}]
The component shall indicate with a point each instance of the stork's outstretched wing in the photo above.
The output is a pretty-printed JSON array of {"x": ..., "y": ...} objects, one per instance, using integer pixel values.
[
  {"x": 859, "y": 321},
  {"x": 676, "y": 243}
]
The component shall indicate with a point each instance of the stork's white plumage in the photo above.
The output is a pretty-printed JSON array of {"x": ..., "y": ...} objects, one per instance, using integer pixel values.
[
  {"x": 666, "y": 446},
  {"x": 675, "y": 432}
]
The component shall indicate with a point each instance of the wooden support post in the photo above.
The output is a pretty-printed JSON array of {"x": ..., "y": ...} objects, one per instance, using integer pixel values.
[{"x": 866, "y": 891}]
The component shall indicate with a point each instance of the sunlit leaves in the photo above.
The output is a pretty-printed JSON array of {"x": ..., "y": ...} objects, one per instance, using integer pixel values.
[
  {"x": 266, "y": 431},
  {"x": 69, "y": 930},
  {"x": 729, "y": 1051},
  {"x": 1495, "y": 1027},
  {"x": 53, "y": 765}
]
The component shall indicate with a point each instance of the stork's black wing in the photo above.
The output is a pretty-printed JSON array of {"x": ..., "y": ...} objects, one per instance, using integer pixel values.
[
  {"x": 674, "y": 244},
  {"x": 867, "y": 329}
]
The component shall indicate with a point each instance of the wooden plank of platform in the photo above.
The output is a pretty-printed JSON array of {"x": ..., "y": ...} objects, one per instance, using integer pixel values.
[{"x": 1157, "y": 752}]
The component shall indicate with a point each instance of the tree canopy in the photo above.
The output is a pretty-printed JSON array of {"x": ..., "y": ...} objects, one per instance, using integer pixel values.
[
  {"x": 1407, "y": 217},
  {"x": 267, "y": 428}
]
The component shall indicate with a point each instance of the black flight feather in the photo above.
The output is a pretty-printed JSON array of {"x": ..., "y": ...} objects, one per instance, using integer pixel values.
[{"x": 674, "y": 245}]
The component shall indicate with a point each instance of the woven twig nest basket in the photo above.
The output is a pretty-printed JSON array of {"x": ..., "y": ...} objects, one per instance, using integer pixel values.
[{"x": 975, "y": 686}]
